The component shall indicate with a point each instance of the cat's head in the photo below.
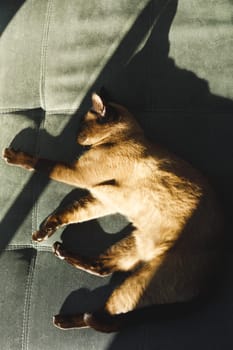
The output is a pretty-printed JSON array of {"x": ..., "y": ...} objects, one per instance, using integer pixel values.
[{"x": 105, "y": 122}]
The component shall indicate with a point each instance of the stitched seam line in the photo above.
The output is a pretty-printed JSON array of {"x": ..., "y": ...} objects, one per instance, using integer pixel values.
[
  {"x": 18, "y": 109},
  {"x": 43, "y": 57},
  {"x": 34, "y": 186},
  {"x": 19, "y": 246},
  {"x": 27, "y": 302},
  {"x": 31, "y": 271},
  {"x": 145, "y": 110}
]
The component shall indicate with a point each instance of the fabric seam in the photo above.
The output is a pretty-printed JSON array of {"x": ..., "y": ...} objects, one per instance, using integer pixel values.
[
  {"x": 145, "y": 110},
  {"x": 19, "y": 246},
  {"x": 34, "y": 187},
  {"x": 43, "y": 57},
  {"x": 18, "y": 109},
  {"x": 27, "y": 301},
  {"x": 31, "y": 271}
]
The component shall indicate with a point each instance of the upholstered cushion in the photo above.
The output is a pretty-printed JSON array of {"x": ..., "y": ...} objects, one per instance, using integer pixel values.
[{"x": 171, "y": 63}]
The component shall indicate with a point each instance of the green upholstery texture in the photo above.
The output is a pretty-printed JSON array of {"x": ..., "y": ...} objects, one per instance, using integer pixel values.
[{"x": 170, "y": 62}]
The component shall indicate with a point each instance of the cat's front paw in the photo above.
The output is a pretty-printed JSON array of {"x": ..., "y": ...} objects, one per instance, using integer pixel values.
[
  {"x": 47, "y": 229},
  {"x": 10, "y": 155},
  {"x": 25, "y": 160},
  {"x": 39, "y": 236}
]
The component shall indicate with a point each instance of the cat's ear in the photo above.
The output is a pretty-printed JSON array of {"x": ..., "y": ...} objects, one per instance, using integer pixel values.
[{"x": 98, "y": 104}]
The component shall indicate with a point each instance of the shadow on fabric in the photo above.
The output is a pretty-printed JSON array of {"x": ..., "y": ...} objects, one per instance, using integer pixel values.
[
  {"x": 69, "y": 148},
  {"x": 8, "y": 8}
]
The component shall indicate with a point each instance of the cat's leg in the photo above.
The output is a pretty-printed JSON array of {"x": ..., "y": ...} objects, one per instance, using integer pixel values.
[
  {"x": 117, "y": 312},
  {"x": 79, "y": 174},
  {"x": 128, "y": 297},
  {"x": 106, "y": 322},
  {"x": 54, "y": 170},
  {"x": 84, "y": 209},
  {"x": 122, "y": 256}
]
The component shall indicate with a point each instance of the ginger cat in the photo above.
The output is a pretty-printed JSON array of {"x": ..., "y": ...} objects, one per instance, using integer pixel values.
[{"x": 176, "y": 222}]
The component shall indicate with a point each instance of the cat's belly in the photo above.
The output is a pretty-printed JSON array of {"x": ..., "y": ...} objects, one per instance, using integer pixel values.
[
  {"x": 127, "y": 201},
  {"x": 161, "y": 220},
  {"x": 135, "y": 202}
]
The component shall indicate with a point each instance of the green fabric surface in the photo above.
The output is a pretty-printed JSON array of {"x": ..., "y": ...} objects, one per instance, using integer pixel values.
[
  {"x": 15, "y": 272},
  {"x": 16, "y": 194},
  {"x": 55, "y": 284},
  {"x": 20, "y": 54},
  {"x": 171, "y": 65}
]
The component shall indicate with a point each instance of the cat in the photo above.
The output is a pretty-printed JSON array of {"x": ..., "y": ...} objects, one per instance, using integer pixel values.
[{"x": 176, "y": 221}]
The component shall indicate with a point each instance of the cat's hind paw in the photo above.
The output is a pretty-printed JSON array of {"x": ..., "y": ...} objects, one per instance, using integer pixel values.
[
  {"x": 58, "y": 251},
  {"x": 69, "y": 321},
  {"x": 100, "y": 321}
]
